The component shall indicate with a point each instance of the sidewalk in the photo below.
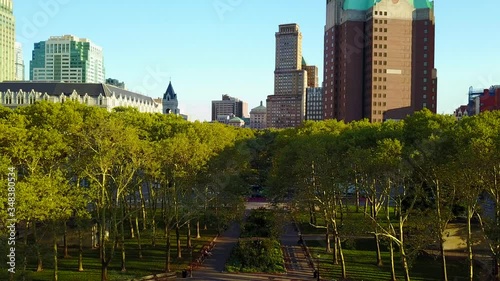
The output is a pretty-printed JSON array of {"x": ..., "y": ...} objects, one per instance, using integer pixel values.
[{"x": 297, "y": 264}]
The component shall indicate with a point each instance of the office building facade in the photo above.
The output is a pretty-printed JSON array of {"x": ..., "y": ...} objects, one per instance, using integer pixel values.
[
  {"x": 286, "y": 108},
  {"x": 19, "y": 62},
  {"x": 67, "y": 59},
  {"x": 227, "y": 107},
  {"x": 7, "y": 41},
  {"x": 314, "y": 104},
  {"x": 379, "y": 59}
]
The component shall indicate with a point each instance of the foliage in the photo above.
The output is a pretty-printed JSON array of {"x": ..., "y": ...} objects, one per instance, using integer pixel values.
[
  {"x": 256, "y": 255},
  {"x": 261, "y": 223}
]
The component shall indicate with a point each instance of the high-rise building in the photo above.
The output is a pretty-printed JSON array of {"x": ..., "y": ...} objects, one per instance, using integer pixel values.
[
  {"x": 286, "y": 108},
  {"x": 314, "y": 104},
  {"x": 19, "y": 62},
  {"x": 67, "y": 59},
  {"x": 228, "y": 106},
  {"x": 379, "y": 59},
  {"x": 7, "y": 39},
  {"x": 312, "y": 74}
]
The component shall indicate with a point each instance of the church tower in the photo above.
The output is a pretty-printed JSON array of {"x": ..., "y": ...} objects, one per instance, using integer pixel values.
[{"x": 170, "y": 103}]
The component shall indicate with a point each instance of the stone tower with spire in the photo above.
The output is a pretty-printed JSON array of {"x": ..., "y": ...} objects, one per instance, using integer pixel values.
[{"x": 170, "y": 103}]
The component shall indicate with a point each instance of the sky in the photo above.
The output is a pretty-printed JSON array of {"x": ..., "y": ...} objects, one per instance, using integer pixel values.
[{"x": 208, "y": 48}]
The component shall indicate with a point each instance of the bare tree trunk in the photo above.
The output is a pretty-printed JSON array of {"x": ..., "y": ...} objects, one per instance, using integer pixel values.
[
  {"x": 143, "y": 209},
  {"x": 327, "y": 234},
  {"x": 342, "y": 260},
  {"x": 25, "y": 242},
  {"x": 178, "y": 240},
  {"x": 357, "y": 194},
  {"x": 379, "y": 254},
  {"x": 132, "y": 233},
  {"x": 198, "y": 234},
  {"x": 188, "y": 235},
  {"x": 80, "y": 250},
  {"x": 55, "y": 253},
  {"x": 65, "y": 240},
  {"x": 393, "y": 270},
  {"x": 39, "y": 266},
  {"x": 328, "y": 243},
  {"x": 139, "y": 236},
  {"x": 122, "y": 239},
  {"x": 335, "y": 250},
  {"x": 441, "y": 229},
  {"x": 168, "y": 248},
  {"x": 469, "y": 243}
]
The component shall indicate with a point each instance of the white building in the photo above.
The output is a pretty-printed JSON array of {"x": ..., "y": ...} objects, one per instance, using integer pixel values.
[
  {"x": 15, "y": 94},
  {"x": 7, "y": 35},
  {"x": 19, "y": 62},
  {"x": 258, "y": 117}
]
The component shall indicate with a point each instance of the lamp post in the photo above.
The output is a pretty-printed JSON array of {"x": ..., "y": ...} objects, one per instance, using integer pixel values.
[{"x": 317, "y": 275}]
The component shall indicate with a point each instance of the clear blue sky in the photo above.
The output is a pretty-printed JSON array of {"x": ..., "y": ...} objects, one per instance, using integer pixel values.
[{"x": 215, "y": 47}]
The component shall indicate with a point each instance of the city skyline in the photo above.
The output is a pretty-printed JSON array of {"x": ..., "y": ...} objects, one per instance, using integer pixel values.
[{"x": 209, "y": 48}]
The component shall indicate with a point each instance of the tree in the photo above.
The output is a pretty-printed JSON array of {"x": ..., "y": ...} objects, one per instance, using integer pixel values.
[{"x": 427, "y": 147}]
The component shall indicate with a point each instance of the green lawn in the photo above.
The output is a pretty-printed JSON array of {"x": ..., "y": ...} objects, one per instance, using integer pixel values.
[
  {"x": 153, "y": 260},
  {"x": 361, "y": 264}
]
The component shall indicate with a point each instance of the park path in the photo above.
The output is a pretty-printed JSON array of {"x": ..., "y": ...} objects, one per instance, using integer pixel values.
[{"x": 296, "y": 262}]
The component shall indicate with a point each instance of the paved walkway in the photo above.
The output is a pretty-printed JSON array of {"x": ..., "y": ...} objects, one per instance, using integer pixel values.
[{"x": 297, "y": 265}]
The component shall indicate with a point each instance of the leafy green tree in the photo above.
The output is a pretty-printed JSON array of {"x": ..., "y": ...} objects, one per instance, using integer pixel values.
[{"x": 427, "y": 146}]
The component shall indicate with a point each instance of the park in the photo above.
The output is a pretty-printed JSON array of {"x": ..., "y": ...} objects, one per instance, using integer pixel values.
[{"x": 123, "y": 195}]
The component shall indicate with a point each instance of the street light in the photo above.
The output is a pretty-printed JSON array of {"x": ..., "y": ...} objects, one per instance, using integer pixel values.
[{"x": 317, "y": 275}]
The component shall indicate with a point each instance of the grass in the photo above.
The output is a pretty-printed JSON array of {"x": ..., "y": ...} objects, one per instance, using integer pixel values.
[
  {"x": 361, "y": 264},
  {"x": 153, "y": 261}
]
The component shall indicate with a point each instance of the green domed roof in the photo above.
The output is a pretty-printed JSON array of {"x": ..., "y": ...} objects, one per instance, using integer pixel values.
[
  {"x": 259, "y": 109},
  {"x": 236, "y": 120},
  {"x": 362, "y": 5},
  {"x": 422, "y": 4}
]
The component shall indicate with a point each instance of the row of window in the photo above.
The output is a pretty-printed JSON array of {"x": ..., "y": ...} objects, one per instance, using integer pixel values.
[{"x": 379, "y": 103}]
